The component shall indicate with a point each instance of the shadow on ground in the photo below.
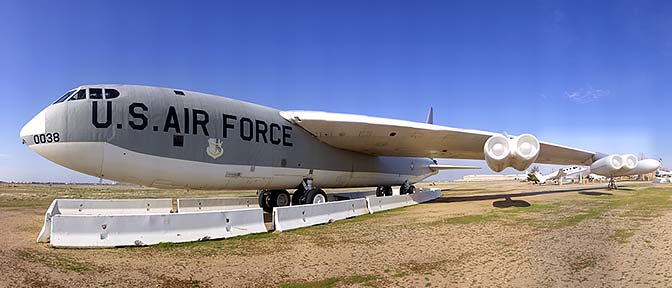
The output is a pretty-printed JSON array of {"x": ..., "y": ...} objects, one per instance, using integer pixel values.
[
  {"x": 594, "y": 193},
  {"x": 506, "y": 203},
  {"x": 507, "y": 196}
]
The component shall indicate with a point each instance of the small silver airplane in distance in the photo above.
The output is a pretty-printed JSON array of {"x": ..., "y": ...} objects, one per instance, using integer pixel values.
[
  {"x": 164, "y": 137},
  {"x": 556, "y": 175},
  {"x": 643, "y": 167},
  {"x": 663, "y": 173}
]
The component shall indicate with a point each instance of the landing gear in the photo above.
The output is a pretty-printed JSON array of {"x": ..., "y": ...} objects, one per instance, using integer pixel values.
[
  {"x": 307, "y": 194},
  {"x": 406, "y": 188},
  {"x": 383, "y": 191},
  {"x": 273, "y": 198},
  {"x": 612, "y": 184},
  {"x": 298, "y": 194},
  {"x": 315, "y": 196}
]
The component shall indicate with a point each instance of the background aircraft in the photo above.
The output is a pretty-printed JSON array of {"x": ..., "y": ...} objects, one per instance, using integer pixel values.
[
  {"x": 556, "y": 175},
  {"x": 663, "y": 173},
  {"x": 175, "y": 138},
  {"x": 642, "y": 167}
]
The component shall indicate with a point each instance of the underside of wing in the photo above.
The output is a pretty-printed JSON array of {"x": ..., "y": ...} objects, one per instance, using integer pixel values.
[
  {"x": 437, "y": 167},
  {"x": 389, "y": 137}
]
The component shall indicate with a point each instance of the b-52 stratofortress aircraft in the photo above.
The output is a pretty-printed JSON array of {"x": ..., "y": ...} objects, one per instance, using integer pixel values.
[{"x": 175, "y": 138}]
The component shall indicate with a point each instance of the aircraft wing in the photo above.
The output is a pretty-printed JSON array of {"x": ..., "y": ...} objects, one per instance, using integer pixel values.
[
  {"x": 437, "y": 167},
  {"x": 390, "y": 137}
]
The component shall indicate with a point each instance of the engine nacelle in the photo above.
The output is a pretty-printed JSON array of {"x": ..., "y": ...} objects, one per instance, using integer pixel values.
[
  {"x": 629, "y": 162},
  {"x": 645, "y": 166},
  {"x": 518, "y": 152},
  {"x": 608, "y": 166}
]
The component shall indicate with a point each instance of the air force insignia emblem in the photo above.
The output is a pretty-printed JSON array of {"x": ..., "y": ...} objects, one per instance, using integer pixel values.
[{"x": 214, "y": 148}]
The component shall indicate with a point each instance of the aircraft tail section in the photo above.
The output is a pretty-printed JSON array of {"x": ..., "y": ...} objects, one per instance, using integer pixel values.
[
  {"x": 430, "y": 116},
  {"x": 541, "y": 178}
]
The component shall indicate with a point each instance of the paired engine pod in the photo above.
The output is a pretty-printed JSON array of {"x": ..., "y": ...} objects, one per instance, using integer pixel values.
[
  {"x": 518, "y": 152},
  {"x": 497, "y": 152},
  {"x": 526, "y": 152},
  {"x": 629, "y": 162},
  {"x": 609, "y": 165}
]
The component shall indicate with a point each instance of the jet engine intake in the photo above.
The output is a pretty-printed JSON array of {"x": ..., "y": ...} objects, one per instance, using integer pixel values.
[
  {"x": 609, "y": 165},
  {"x": 518, "y": 152},
  {"x": 629, "y": 162}
]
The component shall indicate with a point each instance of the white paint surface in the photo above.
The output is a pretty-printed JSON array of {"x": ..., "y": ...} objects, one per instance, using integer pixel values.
[
  {"x": 292, "y": 217},
  {"x": 86, "y": 231}
]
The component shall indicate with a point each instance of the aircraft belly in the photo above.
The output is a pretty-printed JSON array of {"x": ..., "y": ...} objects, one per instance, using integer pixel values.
[{"x": 127, "y": 166}]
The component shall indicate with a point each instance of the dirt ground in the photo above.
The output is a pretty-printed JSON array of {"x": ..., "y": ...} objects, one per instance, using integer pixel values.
[{"x": 476, "y": 234}]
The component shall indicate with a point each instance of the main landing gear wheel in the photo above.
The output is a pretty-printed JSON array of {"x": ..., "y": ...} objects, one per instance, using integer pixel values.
[
  {"x": 315, "y": 196},
  {"x": 296, "y": 197},
  {"x": 273, "y": 198},
  {"x": 383, "y": 191},
  {"x": 406, "y": 189}
]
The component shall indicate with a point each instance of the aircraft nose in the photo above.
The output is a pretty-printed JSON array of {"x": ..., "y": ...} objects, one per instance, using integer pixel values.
[{"x": 35, "y": 126}]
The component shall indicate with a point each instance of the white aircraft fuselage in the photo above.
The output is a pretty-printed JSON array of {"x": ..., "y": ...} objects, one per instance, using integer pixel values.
[{"x": 174, "y": 138}]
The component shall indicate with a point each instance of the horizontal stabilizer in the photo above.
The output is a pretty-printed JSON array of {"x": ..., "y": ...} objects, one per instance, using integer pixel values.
[{"x": 437, "y": 167}]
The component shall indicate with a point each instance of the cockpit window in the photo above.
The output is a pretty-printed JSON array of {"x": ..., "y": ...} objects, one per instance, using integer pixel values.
[
  {"x": 95, "y": 93},
  {"x": 81, "y": 94},
  {"x": 65, "y": 96},
  {"x": 111, "y": 93}
]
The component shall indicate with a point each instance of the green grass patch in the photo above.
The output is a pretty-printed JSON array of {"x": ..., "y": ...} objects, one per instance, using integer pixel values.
[
  {"x": 640, "y": 203},
  {"x": 622, "y": 235},
  {"x": 53, "y": 261},
  {"x": 467, "y": 219},
  {"x": 581, "y": 263},
  {"x": 366, "y": 280}
]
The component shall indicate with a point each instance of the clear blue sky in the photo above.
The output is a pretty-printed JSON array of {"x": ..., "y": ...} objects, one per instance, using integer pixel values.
[{"x": 591, "y": 74}]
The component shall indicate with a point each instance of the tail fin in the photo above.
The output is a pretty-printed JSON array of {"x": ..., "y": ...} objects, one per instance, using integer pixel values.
[
  {"x": 430, "y": 116},
  {"x": 541, "y": 178}
]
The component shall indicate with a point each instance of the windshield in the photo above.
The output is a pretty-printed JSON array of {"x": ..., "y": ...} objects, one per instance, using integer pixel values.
[{"x": 65, "y": 96}]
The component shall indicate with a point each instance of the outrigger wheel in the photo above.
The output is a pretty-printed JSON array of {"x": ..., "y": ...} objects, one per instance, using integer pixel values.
[{"x": 273, "y": 198}]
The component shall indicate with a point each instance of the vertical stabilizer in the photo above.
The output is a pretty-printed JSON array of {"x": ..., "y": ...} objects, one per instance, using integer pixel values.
[{"x": 430, "y": 116}]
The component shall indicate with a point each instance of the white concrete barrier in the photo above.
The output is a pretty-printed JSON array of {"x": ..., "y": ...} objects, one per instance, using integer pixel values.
[
  {"x": 216, "y": 204},
  {"x": 101, "y": 207},
  {"x": 113, "y": 206},
  {"x": 426, "y": 194},
  {"x": 377, "y": 204},
  {"x": 45, "y": 232},
  {"x": 292, "y": 217},
  {"x": 99, "y": 231}
]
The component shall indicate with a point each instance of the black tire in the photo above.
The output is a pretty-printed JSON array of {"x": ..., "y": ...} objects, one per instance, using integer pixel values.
[
  {"x": 387, "y": 190},
  {"x": 264, "y": 201},
  {"x": 316, "y": 194},
  {"x": 279, "y": 198},
  {"x": 296, "y": 198},
  {"x": 411, "y": 189},
  {"x": 380, "y": 191}
]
